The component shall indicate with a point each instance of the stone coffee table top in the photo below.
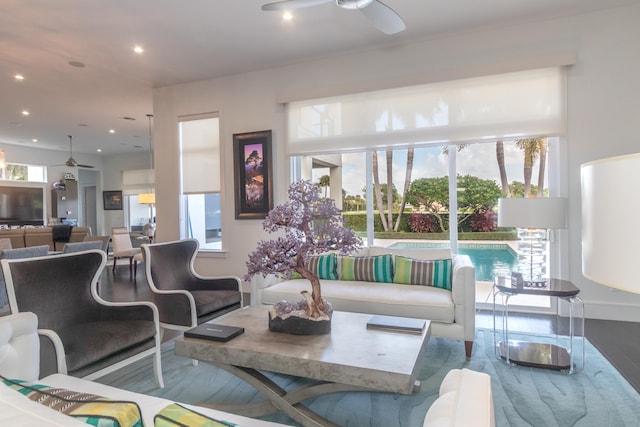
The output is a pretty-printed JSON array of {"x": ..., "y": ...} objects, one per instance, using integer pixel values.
[{"x": 351, "y": 357}]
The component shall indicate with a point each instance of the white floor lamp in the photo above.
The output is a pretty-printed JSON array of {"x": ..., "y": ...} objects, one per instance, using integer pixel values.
[
  {"x": 533, "y": 217},
  {"x": 610, "y": 222}
]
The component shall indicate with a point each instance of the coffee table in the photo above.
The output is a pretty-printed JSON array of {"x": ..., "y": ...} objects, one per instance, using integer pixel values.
[{"x": 350, "y": 358}]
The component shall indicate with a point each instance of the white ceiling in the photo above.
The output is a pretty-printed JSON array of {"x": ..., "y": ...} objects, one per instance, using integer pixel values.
[{"x": 187, "y": 41}]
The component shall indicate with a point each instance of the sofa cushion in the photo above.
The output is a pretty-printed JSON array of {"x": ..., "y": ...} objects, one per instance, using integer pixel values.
[
  {"x": 86, "y": 407},
  {"x": 390, "y": 299},
  {"x": 178, "y": 415},
  {"x": 411, "y": 271},
  {"x": 83, "y": 341},
  {"x": 325, "y": 266},
  {"x": 369, "y": 269}
]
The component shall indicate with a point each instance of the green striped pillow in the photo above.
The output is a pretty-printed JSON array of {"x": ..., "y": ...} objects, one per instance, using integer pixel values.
[
  {"x": 409, "y": 271},
  {"x": 368, "y": 269},
  {"x": 325, "y": 266}
]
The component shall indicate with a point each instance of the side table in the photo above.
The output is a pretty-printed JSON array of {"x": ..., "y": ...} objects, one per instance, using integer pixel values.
[{"x": 536, "y": 354}]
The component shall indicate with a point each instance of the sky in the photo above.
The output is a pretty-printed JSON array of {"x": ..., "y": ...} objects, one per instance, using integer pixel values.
[{"x": 477, "y": 159}]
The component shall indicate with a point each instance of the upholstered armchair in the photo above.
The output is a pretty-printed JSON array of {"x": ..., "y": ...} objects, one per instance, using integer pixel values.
[
  {"x": 16, "y": 253},
  {"x": 184, "y": 298},
  {"x": 81, "y": 334}
]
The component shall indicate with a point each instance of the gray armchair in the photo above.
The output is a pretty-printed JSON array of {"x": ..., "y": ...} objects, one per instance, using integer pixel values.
[
  {"x": 184, "y": 298},
  {"x": 8, "y": 253},
  {"x": 81, "y": 334}
]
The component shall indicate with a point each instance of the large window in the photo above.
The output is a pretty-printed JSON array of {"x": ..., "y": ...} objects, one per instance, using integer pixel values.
[
  {"x": 201, "y": 188},
  {"x": 432, "y": 158}
]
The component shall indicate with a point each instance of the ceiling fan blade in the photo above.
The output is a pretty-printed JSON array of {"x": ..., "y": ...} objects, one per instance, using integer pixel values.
[
  {"x": 293, "y": 4},
  {"x": 384, "y": 18},
  {"x": 86, "y": 166}
]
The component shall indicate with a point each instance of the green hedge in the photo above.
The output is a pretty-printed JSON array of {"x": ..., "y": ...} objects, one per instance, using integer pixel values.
[{"x": 358, "y": 222}]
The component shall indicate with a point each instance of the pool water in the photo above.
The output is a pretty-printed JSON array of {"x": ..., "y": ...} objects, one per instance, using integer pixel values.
[{"x": 489, "y": 259}]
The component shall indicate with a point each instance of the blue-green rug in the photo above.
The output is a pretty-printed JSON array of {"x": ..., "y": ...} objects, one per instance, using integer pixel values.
[{"x": 597, "y": 396}]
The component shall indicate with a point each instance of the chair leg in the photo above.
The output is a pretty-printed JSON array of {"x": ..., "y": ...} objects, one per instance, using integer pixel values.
[
  {"x": 157, "y": 367},
  {"x": 115, "y": 260}
]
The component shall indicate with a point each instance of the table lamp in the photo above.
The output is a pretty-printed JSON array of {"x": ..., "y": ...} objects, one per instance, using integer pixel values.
[
  {"x": 533, "y": 217},
  {"x": 610, "y": 229}
]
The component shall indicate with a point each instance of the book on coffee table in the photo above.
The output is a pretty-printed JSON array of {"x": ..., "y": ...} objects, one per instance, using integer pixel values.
[
  {"x": 214, "y": 332},
  {"x": 397, "y": 324}
]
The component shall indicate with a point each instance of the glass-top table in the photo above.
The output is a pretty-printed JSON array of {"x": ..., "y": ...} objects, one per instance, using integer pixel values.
[{"x": 551, "y": 354}]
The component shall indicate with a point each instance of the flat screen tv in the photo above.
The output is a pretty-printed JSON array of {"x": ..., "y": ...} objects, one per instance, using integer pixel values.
[{"x": 21, "y": 205}]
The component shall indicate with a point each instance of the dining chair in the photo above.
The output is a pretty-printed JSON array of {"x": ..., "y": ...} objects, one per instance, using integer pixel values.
[
  {"x": 81, "y": 246},
  {"x": 122, "y": 247}
]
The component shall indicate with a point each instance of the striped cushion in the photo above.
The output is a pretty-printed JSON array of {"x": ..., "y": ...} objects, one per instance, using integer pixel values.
[
  {"x": 324, "y": 266},
  {"x": 177, "y": 415},
  {"x": 409, "y": 271},
  {"x": 369, "y": 269},
  {"x": 84, "y": 407}
]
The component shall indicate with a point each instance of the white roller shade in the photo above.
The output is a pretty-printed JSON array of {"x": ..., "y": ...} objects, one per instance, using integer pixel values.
[
  {"x": 506, "y": 106},
  {"x": 200, "y": 161},
  {"x": 137, "y": 181}
]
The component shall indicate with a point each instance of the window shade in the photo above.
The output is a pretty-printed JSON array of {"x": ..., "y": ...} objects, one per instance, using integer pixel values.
[
  {"x": 138, "y": 181},
  {"x": 200, "y": 160},
  {"x": 506, "y": 106}
]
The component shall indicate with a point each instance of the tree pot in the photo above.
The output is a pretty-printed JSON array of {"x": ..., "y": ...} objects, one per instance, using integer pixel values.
[{"x": 299, "y": 325}]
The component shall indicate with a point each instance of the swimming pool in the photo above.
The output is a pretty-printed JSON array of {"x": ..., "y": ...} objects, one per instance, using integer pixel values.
[{"x": 489, "y": 259}]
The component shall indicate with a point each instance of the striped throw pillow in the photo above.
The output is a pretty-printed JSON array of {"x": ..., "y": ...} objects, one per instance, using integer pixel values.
[
  {"x": 409, "y": 271},
  {"x": 85, "y": 407},
  {"x": 177, "y": 415},
  {"x": 325, "y": 266},
  {"x": 368, "y": 269}
]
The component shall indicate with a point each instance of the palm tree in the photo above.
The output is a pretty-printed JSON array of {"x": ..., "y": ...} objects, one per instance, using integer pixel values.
[
  {"x": 542, "y": 166},
  {"x": 389, "y": 190},
  {"x": 532, "y": 148},
  {"x": 503, "y": 170},
  {"x": 407, "y": 183},
  {"x": 376, "y": 190},
  {"x": 325, "y": 181}
]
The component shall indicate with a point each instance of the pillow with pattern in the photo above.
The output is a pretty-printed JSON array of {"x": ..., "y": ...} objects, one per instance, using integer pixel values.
[
  {"x": 409, "y": 271},
  {"x": 325, "y": 266},
  {"x": 367, "y": 268},
  {"x": 177, "y": 415},
  {"x": 85, "y": 407}
]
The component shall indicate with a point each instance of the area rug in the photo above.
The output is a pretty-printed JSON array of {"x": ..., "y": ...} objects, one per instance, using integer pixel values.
[{"x": 596, "y": 396}]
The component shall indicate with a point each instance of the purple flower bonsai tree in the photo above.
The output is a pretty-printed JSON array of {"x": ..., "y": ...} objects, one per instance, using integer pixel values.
[{"x": 312, "y": 225}]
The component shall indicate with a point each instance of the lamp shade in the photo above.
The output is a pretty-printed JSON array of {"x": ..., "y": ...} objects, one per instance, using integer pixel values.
[
  {"x": 147, "y": 198},
  {"x": 536, "y": 212},
  {"x": 610, "y": 227}
]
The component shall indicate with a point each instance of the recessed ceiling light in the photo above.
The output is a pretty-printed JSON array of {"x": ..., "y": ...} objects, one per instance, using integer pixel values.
[
  {"x": 34, "y": 140},
  {"x": 287, "y": 16},
  {"x": 25, "y": 112},
  {"x": 19, "y": 77},
  {"x": 112, "y": 131},
  {"x": 76, "y": 64},
  {"x": 99, "y": 150},
  {"x": 138, "y": 49}
]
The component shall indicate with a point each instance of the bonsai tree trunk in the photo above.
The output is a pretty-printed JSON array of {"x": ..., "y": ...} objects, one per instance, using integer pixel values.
[{"x": 315, "y": 304}]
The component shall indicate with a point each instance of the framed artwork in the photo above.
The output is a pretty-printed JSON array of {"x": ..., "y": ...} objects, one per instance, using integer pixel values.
[
  {"x": 112, "y": 200},
  {"x": 252, "y": 172}
]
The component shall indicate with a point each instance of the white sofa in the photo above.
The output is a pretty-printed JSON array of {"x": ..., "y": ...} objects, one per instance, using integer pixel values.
[
  {"x": 464, "y": 400},
  {"x": 452, "y": 313}
]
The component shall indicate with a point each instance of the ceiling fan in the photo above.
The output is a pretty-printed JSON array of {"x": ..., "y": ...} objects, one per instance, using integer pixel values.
[
  {"x": 381, "y": 16},
  {"x": 71, "y": 162}
]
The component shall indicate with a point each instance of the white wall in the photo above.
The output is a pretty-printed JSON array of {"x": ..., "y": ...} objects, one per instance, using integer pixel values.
[{"x": 604, "y": 115}]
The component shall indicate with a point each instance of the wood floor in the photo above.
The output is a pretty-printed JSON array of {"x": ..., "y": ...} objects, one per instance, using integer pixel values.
[{"x": 619, "y": 342}]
